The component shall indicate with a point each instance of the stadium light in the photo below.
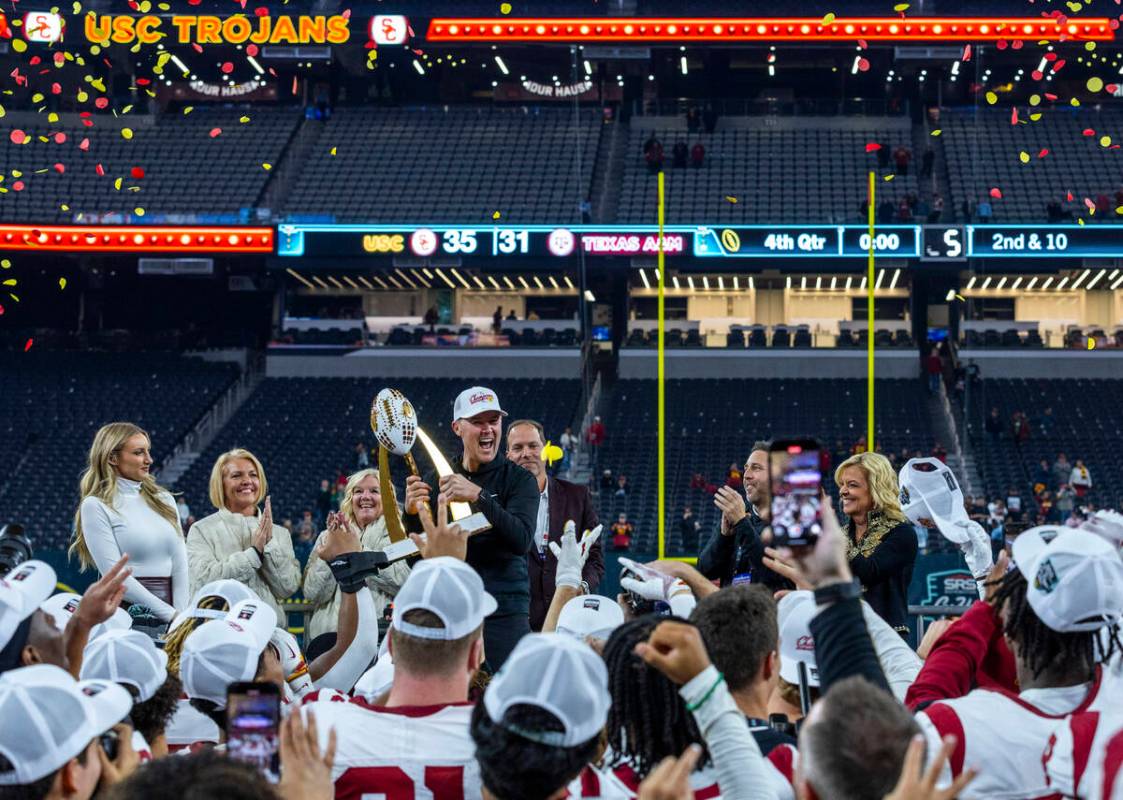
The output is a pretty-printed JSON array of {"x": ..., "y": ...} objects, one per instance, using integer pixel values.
[
  {"x": 507, "y": 281},
  {"x": 674, "y": 280},
  {"x": 479, "y": 283},
  {"x": 863, "y": 286},
  {"x": 365, "y": 282},
  {"x": 789, "y": 283},
  {"x": 1118, "y": 283},
  {"x": 568, "y": 282},
  {"x": 818, "y": 282},
  {"x": 493, "y": 282},
  {"x": 1001, "y": 283},
  {"x": 1061, "y": 285},
  {"x": 880, "y": 278},
  {"x": 834, "y": 282},
  {"x": 1080, "y": 280},
  {"x": 896, "y": 275},
  {"x": 1096, "y": 279},
  {"x": 1048, "y": 281},
  {"x": 803, "y": 282},
  {"x": 588, "y": 68},
  {"x": 335, "y": 282},
  {"x": 971, "y": 283},
  {"x": 690, "y": 282},
  {"x": 752, "y": 284},
  {"x": 705, "y": 283},
  {"x": 382, "y": 283},
  {"x": 1031, "y": 284},
  {"x": 736, "y": 284},
  {"x": 553, "y": 281},
  {"x": 136, "y": 239},
  {"x": 460, "y": 278},
  {"x": 589, "y": 296},
  {"x": 538, "y": 282},
  {"x": 1114, "y": 272},
  {"x": 1016, "y": 284},
  {"x": 771, "y": 29},
  {"x": 299, "y": 277},
  {"x": 522, "y": 280},
  {"x": 986, "y": 283}
]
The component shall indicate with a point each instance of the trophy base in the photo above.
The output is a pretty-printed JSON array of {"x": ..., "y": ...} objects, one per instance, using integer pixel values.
[{"x": 472, "y": 524}]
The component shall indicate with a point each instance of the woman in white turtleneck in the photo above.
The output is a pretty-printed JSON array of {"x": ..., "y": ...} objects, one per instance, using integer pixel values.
[
  {"x": 238, "y": 541},
  {"x": 361, "y": 506},
  {"x": 123, "y": 510}
]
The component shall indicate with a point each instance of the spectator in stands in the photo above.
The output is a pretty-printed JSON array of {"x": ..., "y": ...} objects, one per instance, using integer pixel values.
[
  {"x": 621, "y": 486},
  {"x": 697, "y": 155},
  {"x": 693, "y": 119},
  {"x": 323, "y": 501},
  {"x": 904, "y": 211},
  {"x": 983, "y": 210},
  {"x": 649, "y": 143},
  {"x": 606, "y": 481},
  {"x": 1042, "y": 476},
  {"x": 996, "y": 511},
  {"x": 362, "y": 458},
  {"x": 568, "y": 444},
  {"x": 654, "y": 157},
  {"x": 431, "y": 317},
  {"x": 1047, "y": 513},
  {"x": 927, "y": 162},
  {"x": 512, "y": 316},
  {"x": 497, "y": 320},
  {"x": 1014, "y": 506},
  {"x": 183, "y": 510},
  {"x": 361, "y": 509},
  {"x": 994, "y": 425},
  {"x": 1019, "y": 426},
  {"x": 937, "y": 211},
  {"x": 709, "y": 119},
  {"x": 860, "y": 446},
  {"x": 733, "y": 477},
  {"x": 934, "y": 367},
  {"x": 678, "y": 154},
  {"x": 622, "y": 531},
  {"x": 886, "y": 211},
  {"x": 1080, "y": 479},
  {"x": 1066, "y": 501},
  {"x": 901, "y": 157},
  {"x": 698, "y": 481},
  {"x": 307, "y": 527},
  {"x": 940, "y": 452},
  {"x": 595, "y": 437},
  {"x": 1046, "y": 421},
  {"x": 1062, "y": 469},
  {"x": 122, "y": 510},
  {"x": 240, "y": 542},
  {"x": 689, "y": 529}
]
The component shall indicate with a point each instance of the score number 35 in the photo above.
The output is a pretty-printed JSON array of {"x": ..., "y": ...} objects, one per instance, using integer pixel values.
[{"x": 456, "y": 241}]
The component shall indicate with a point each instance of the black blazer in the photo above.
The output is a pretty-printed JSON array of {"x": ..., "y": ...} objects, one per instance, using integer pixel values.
[
  {"x": 568, "y": 501},
  {"x": 883, "y": 562}
]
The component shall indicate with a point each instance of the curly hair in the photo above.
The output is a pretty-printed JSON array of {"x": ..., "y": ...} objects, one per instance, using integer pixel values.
[
  {"x": 882, "y": 480},
  {"x": 151, "y": 717},
  {"x": 648, "y": 721}
]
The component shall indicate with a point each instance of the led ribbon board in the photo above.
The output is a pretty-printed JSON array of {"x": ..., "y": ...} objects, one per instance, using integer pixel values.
[{"x": 136, "y": 239}]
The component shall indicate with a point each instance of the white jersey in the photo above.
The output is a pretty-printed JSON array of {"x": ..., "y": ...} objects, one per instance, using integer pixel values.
[
  {"x": 401, "y": 753},
  {"x": 189, "y": 727},
  {"x": 1085, "y": 754},
  {"x": 1003, "y": 734}
]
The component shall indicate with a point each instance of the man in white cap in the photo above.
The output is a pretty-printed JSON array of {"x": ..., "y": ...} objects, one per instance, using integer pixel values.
[
  {"x": 50, "y": 736},
  {"x": 419, "y": 737},
  {"x": 507, "y": 495}
]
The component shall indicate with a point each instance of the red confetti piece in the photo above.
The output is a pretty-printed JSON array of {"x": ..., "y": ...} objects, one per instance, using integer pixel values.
[
  {"x": 18, "y": 186},
  {"x": 1069, "y": 197},
  {"x": 1037, "y": 74},
  {"x": 251, "y": 50},
  {"x": 1016, "y": 44},
  {"x": 863, "y": 65},
  {"x": 996, "y": 193},
  {"x": 862, "y": 43},
  {"x": 262, "y": 11},
  {"x": 1044, "y": 152},
  {"x": 193, "y": 2},
  {"x": 84, "y": 114},
  {"x": 1113, "y": 24},
  {"x": 1, "y": 311},
  {"x": 101, "y": 102},
  {"x": 56, "y": 88},
  {"x": 137, "y": 173},
  {"x": 89, "y": 123},
  {"x": 1058, "y": 65},
  {"x": 1051, "y": 97},
  {"x": 1050, "y": 56},
  {"x": 35, "y": 61},
  {"x": 27, "y": 346},
  {"x": 60, "y": 59},
  {"x": 99, "y": 169},
  {"x": 872, "y": 147},
  {"x": 1001, "y": 44},
  {"x": 216, "y": 132},
  {"x": 967, "y": 52},
  {"x": 142, "y": 81},
  {"x": 60, "y": 138},
  {"x": 198, "y": 48},
  {"x": 1089, "y": 132},
  {"x": 228, "y": 67},
  {"x": 17, "y": 136},
  {"x": 1014, "y": 115},
  {"x": 1088, "y": 202},
  {"x": 84, "y": 145},
  {"x": 60, "y": 168},
  {"x": 1111, "y": 87}
]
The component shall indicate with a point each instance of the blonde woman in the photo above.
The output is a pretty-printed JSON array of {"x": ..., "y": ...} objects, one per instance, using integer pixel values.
[
  {"x": 881, "y": 541},
  {"x": 123, "y": 510},
  {"x": 361, "y": 507},
  {"x": 238, "y": 541}
]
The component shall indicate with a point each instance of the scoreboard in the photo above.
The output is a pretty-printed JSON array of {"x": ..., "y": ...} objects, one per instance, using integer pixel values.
[{"x": 555, "y": 242}]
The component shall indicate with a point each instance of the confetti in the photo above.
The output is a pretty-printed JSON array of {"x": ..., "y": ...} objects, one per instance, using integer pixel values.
[
  {"x": 84, "y": 145},
  {"x": 1074, "y": 102},
  {"x": 6, "y": 264},
  {"x": 17, "y": 136},
  {"x": 862, "y": 43},
  {"x": 889, "y": 177},
  {"x": 966, "y": 52},
  {"x": 18, "y": 186},
  {"x": 216, "y": 132},
  {"x": 100, "y": 170},
  {"x": 731, "y": 199},
  {"x": 863, "y": 65},
  {"x": 872, "y": 146},
  {"x": 30, "y": 342},
  {"x": 188, "y": 110},
  {"x": 137, "y": 173},
  {"x": 138, "y": 211},
  {"x": 243, "y": 120},
  {"x": 19, "y": 45},
  {"x": 60, "y": 168},
  {"x": 228, "y": 67},
  {"x": 996, "y": 193},
  {"x": 1095, "y": 84},
  {"x": 901, "y": 7},
  {"x": 828, "y": 18},
  {"x": 505, "y": 8},
  {"x": 937, "y": 132},
  {"x": 61, "y": 283},
  {"x": 992, "y": 98},
  {"x": 332, "y": 151},
  {"x": 1014, "y": 115},
  {"x": 251, "y": 50},
  {"x": 1105, "y": 141},
  {"x": 126, "y": 133},
  {"x": 1044, "y": 152},
  {"x": 1023, "y": 157},
  {"x": 266, "y": 166},
  {"x": 495, "y": 215},
  {"x": 1089, "y": 132},
  {"x": 551, "y": 453}
]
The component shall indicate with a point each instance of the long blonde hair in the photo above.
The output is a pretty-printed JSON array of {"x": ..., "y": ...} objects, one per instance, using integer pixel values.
[
  {"x": 175, "y": 639},
  {"x": 215, "y": 492},
  {"x": 347, "y": 504},
  {"x": 100, "y": 481},
  {"x": 882, "y": 480}
]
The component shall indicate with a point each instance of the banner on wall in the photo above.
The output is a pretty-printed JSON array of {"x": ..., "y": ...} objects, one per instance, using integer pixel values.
[{"x": 538, "y": 91}]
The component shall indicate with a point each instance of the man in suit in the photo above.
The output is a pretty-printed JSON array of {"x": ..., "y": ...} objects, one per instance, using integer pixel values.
[{"x": 558, "y": 501}]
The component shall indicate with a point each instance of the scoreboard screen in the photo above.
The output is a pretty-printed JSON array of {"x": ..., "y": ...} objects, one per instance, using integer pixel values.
[
  {"x": 1045, "y": 241},
  {"x": 806, "y": 241}
]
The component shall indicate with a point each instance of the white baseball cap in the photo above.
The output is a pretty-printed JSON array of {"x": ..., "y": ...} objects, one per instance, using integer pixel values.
[
  {"x": 62, "y": 606},
  {"x": 126, "y": 656},
  {"x": 230, "y": 590},
  {"x": 474, "y": 401},
  {"x": 794, "y": 613},
  {"x": 590, "y": 615},
  {"x": 929, "y": 490},
  {"x": 225, "y": 651},
  {"x": 448, "y": 588},
  {"x": 1075, "y": 578},
  {"x": 556, "y": 674},
  {"x": 21, "y": 592},
  {"x": 50, "y": 718}
]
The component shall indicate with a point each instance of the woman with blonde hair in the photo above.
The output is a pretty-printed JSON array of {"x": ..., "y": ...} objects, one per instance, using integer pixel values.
[
  {"x": 123, "y": 510},
  {"x": 881, "y": 542},
  {"x": 361, "y": 508},
  {"x": 238, "y": 541}
]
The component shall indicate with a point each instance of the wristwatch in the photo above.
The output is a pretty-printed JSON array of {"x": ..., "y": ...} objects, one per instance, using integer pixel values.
[{"x": 837, "y": 592}]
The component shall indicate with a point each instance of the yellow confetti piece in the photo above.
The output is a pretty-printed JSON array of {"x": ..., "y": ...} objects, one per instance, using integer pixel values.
[
  {"x": 1023, "y": 157},
  {"x": 126, "y": 133},
  {"x": 1105, "y": 141},
  {"x": 98, "y": 84},
  {"x": 890, "y": 176},
  {"x": 16, "y": 173},
  {"x": 117, "y": 184},
  {"x": 504, "y": 8},
  {"x": 1095, "y": 84},
  {"x": 189, "y": 109},
  {"x": 266, "y": 166},
  {"x": 828, "y": 18},
  {"x": 138, "y": 211},
  {"x": 1119, "y": 210},
  {"x": 937, "y": 132},
  {"x": 992, "y": 98},
  {"x": 901, "y": 7},
  {"x": 333, "y": 151},
  {"x": 16, "y": 299},
  {"x": 126, "y": 109},
  {"x": 64, "y": 207},
  {"x": 77, "y": 8},
  {"x": 1035, "y": 99},
  {"x": 83, "y": 96},
  {"x": 495, "y": 215},
  {"x": 52, "y": 117},
  {"x": 145, "y": 7},
  {"x": 1089, "y": 46},
  {"x": 1074, "y": 102},
  {"x": 1035, "y": 116},
  {"x": 243, "y": 120},
  {"x": 37, "y": 97},
  {"x": 62, "y": 283},
  {"x": 730, "y": 198},
  {"x": 551, "y": 453},
  {"x": 19, "y": 45},
  {"x": 11, "y": 282},
  {"x": 6, "y": 264},
  {"x": 1080, "y": 221}
]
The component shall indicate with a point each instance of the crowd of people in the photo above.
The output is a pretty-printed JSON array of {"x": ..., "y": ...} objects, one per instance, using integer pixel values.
[{"x": 764, "y": 672}]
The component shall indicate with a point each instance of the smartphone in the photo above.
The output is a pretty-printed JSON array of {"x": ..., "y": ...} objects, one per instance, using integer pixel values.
[
  {"x": 796, "y": 477},
  {"x": 253, "y": 722}
]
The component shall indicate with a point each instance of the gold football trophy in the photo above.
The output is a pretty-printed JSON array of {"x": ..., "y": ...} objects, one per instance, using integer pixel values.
[{"x": 394, "y": 422}]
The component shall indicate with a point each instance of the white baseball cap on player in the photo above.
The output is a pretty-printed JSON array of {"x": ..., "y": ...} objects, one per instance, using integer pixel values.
[
  {"x": 1075, "y": 578},
  {"x": 929, "y": 490},
  {"x": 590, "y": 615},
  {"x": 474, "y": 401},
  {"x": 225, "y": 651},
  {"x": 228, "y": 589},
  {"x": 794, "y": 613},
  {"x": 126, "y": 656},
  {"x": 556, "y": 674},
  {"x": 21, "y": 592},
  {"x": 62, "y": 606},
  {"x": 448, "y": 588},
  {"x": 50, "y": 718}
]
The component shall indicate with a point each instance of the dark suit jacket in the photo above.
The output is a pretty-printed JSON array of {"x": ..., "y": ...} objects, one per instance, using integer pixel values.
[{"x": 568, "y": 501}]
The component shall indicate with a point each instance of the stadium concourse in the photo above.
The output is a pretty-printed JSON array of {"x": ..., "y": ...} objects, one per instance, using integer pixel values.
[{"x": 527, "y": 401}]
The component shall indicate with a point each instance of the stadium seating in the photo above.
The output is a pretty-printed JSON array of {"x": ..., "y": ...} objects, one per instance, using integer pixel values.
[
  {"x": 182, "y": 164},
  {"x": 305, "y": 430},
  {"x": 817, "y": 173},
  {"x": 450, "y": 164},
  {"x": 55, "y": 402},
  {"x": 712, "y": 423}
]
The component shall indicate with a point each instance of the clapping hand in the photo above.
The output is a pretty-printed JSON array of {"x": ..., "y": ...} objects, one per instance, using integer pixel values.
[
  {"x": 264, "y": 533},
  {"x": 340, "y": 538}
]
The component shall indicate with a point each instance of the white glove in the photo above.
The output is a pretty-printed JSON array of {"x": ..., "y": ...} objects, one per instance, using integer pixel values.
[
  {"x": 977, "y": 552},
  {"x": 572, "y": 554},
  {"x": 292, "y": 662},
  {"x": 1107, "y": 525},
  {"x": 676, "y": 593}
]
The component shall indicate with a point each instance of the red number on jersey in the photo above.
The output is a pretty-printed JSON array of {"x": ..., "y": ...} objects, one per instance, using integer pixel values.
[{"x": 445, "y": 783}]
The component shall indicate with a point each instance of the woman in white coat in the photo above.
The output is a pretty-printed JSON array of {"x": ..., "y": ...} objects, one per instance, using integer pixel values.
[
  {"x": 361, "y": 506},
  {"x": 123, "y": 510},
  {"x": 238, "y": 541}
]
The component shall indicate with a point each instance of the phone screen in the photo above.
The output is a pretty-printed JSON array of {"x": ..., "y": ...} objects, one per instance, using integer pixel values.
[
  {"x": 253, "y": 719},
  {"x": 796, "y": 476}
]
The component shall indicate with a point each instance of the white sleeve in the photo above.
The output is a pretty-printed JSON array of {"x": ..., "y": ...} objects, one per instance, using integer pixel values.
[
  {"x": 900, "y": 663},
  {"x": 345, "y": 673},
  {"x": 97, "y": 530},
  {"x": 181, "y": 582},
  {"x": 741, "y": 770}
]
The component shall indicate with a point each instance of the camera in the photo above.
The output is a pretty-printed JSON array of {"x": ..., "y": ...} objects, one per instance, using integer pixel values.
[
  {"x": 15, "y": 547},
  {"x": 109, "y": 743}
]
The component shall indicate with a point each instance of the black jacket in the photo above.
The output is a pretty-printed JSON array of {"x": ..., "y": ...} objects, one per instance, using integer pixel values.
[
  {"x": 883, "y": 562},
  {"x": 509, "y": 500},
  {"x": 843, "y": 647},
  {"x": 742, "y": 551}
]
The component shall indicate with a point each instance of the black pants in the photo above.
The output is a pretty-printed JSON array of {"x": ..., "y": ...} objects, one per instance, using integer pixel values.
[{"x": 501, "y": 633}]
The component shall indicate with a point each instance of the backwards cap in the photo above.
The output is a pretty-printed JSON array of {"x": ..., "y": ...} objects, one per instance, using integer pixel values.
[
  {"x": 225, "y": 651},
  {"x": 448, "y": 588}
]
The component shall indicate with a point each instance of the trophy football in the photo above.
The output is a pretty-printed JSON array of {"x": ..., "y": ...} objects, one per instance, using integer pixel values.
[{"x": 394, "y": 422}]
